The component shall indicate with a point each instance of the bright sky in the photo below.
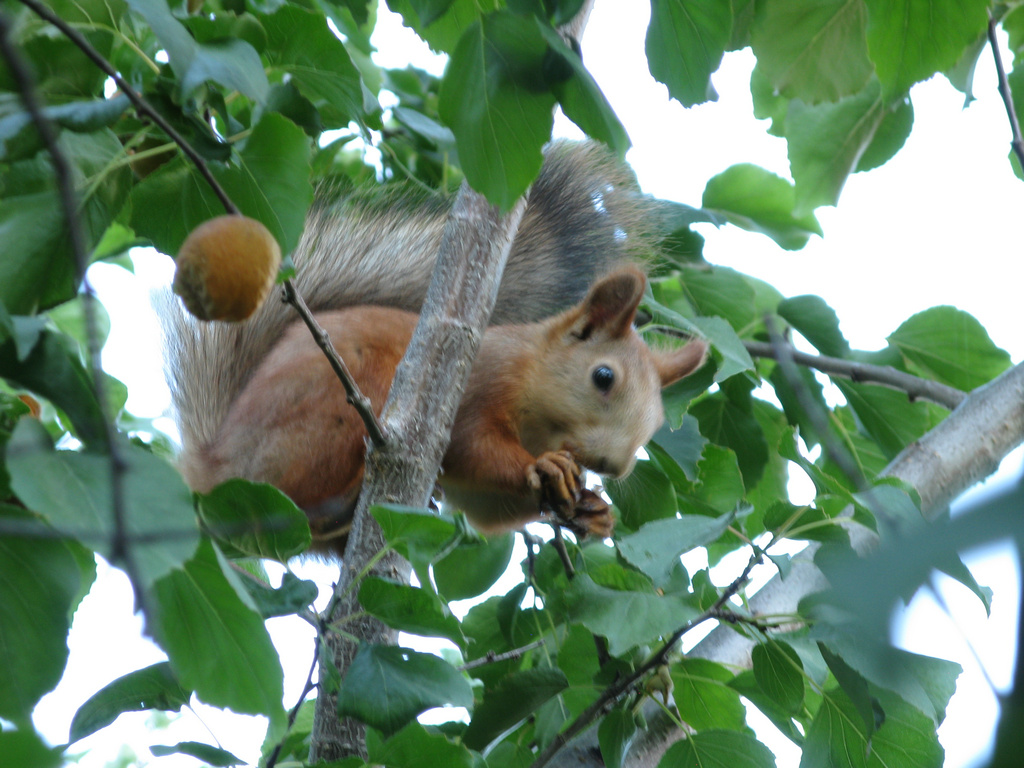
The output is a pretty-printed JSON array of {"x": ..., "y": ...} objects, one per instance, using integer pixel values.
[{"x": 933, "y": 226}]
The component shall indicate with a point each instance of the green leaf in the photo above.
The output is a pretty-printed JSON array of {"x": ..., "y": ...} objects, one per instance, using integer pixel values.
[
  {"x": 779, "y": 672},
  {"x": 731, "y": 424},
  {"x": 580, "y": 97},
  {"x": 703, "y": 696},
  {"x": 827, "y": 140},
  {"x": 838, "y": 737},
  {"x": 655, "y": 548},
  {"x": 300, "y": 42},
  {"x": 645, "y": 494},
  {"x": 626, "y": 619},
  {"x": 721, "y": 292},
  {"x": 759, "y": 201},
  {"x": 409, "y": 609},
  {"x": 414, "y": 747},
  {"x": 856, "y": 688},
  {"x": 48, "y": 364},
  {"x": 214, "y": 756},
  {"x": 511, "y": 701},
  {"x": 270, "y": 182},
  {"x": 472, "y": 567},
  {"x": 153, "y": 687},
  {"x": 719, "y": 749},
  {"x": 885, "y": 415},
  {"x": 72, "y": 491},
  {"x": 725, "y": 341},
  {"x": 254, "y": 520},
  {"x": 387, "y": 686},
  {"x": 20, "y": 139},
  {"x": 292, "y": 596},
  {"x": 909, "y": 40},
  {"x": 615, "y": 735},
  {"x": 950, "y": 346},
  {"x": 26, "y": 748},
  {"x": 890, "y": 136},
  {"x": 495, "y": 98},
  {"x": 232, "y": 63},
  {"x": 40, "y": 580},
  {"x": 418, "y": 534},
  {"x": 817, "y": 322},
  {"x": 683, "y": 445},
  {"x": 684, "y": 45},
  {"x": 812, "y": 50},
  {"x": 217, "y": 644}
]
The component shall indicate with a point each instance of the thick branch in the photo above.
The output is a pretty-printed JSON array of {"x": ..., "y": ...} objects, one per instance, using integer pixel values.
[{"x": 418, "y": 417}]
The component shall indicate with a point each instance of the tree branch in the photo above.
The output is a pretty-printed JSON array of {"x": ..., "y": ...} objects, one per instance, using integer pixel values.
[
  {"x": 1016, "y": 143},
  {"x": 916, "y": 387}
]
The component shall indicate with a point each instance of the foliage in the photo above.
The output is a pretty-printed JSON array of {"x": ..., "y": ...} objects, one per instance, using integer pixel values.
[{"x": 274, "y": 104}]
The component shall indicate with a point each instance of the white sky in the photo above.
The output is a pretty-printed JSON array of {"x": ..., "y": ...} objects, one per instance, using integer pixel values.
[{"x": 935, "y": 225}]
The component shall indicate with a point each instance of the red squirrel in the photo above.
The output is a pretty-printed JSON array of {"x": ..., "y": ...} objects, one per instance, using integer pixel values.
[{"x": 578, "y": 388}]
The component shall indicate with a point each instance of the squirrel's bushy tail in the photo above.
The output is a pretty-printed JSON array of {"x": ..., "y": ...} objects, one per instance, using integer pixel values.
[{"x": 584, "y": 216}]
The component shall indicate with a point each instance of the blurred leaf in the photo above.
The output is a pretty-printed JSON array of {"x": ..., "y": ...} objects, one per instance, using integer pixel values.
[
  {"x": 645, "y": 494},
  {"x": 472, "y": 567},
  {"x": 615, "y": 735},
  {"x": 409, "y": 609},
  {"x": 386, "y": 686},
  {"x": 26, "y": 748},
  {"x": 213, "y": 756},
  {"x": 72, "y": 491},
  {"x": 703, "y": 696},
  {"x": 511, "y": 701},
  {"x": 413, "y": 747},
  {"x": 153, "y": 687},
  {"x": 684, "y": 45},
  {"x": 626, "y": 619},
  {"x": 217, "y": 644},
  {"x": 727, "y": 423},
  {"x": 254, "y": 520},
  {"x": 292, "y": 596},
  {"x": 779, "y": 672},
  {"x": 40, "y": 581},
  {"x": 890, "y": 136},
  {"x": 719, "y": 749},
  {"x": 655, "y": 548},
  {"x": 885, "y": 414}
]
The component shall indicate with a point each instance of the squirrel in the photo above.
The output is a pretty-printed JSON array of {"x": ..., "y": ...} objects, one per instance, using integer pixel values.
[{"x": 561, "y": 381}]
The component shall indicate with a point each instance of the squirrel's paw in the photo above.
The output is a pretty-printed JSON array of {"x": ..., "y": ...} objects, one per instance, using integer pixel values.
[
  {"x": 592, "y": 516},
  {"x": 557, "y": 477}
]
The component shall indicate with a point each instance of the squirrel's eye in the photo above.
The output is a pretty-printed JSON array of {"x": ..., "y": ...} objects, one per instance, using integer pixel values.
[{"x": 603, "y": 377}]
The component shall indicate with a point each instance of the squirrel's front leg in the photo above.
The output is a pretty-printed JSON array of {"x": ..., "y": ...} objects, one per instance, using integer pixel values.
[{"x": 556, "y": 476}]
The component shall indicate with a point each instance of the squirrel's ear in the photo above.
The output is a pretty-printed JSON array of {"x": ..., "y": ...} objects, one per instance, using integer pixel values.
[
  {"x": 672, "y": 365},
  {"x": 610, "y": 306}
]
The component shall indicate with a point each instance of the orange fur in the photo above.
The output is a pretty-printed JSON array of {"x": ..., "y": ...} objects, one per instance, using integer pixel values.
[{"x": 531, "y": 413}]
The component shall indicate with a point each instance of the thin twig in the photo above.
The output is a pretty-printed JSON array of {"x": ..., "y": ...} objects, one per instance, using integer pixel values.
[
  {"x": 885, "y": 375},
  {"x": 140, "y": 104},
  {"x": 120, "y": 551},
  {"x": 1017, "y": 143},
  {"x": 617, "y": 689},
  {"x": 355, "y": 397},
  {"x": 494, "y": 658}
]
